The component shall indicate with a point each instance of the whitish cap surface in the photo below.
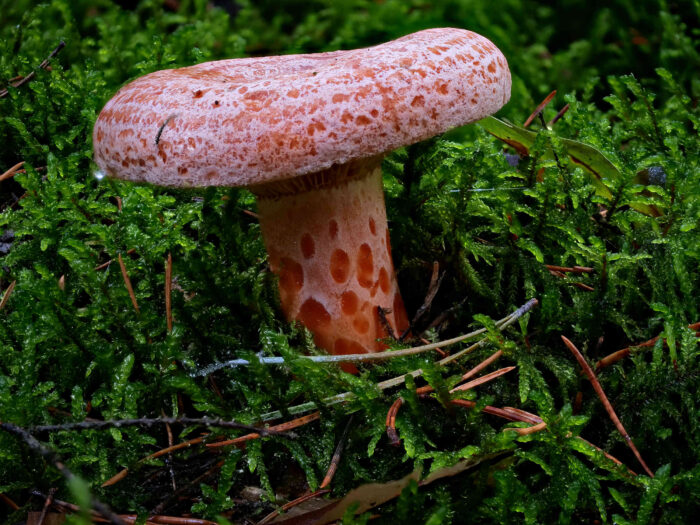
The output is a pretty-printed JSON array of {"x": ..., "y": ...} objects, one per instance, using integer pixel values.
[{"x": 256, "y": 120}]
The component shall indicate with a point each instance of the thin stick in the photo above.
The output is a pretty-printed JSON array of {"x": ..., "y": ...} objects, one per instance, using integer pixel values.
[
  {"x": 12, "y": 171},
  {"x": 523, "y": 415},
  {"x": 8, "y": 501},
  {"x": 7, "y": 294},
  {"x": 30, "y": 76},
  {"x": 335, "y": 460},
  {"x": 569, "y": 269},
  {"x": 483, "y": 379},
  {"x": 604, "y": 399},
  {"x": 149, "y": 422},
  {"x": 380, "y": 356},
  {"x": 169, "y": 461},
  {"x": 513, "y": 414},
  {"x": 471, "y": 373},
  {"x": 291, "y": 504},
  {"x": 609, "y": 456},
  {"x": 393, "y": 410},
  {"x": 584, "y": 287},
  {"x": 488, "y": 409},
  {"x": 53, "y": 458},
  {"x": 433, "y": 287},
  {"x": 559, "y": 115},
  {"x": 621, "y": 354},
  {"x": 193, "y": 483},
  {"x": 391, "y": 421},
  {"x": 528, "y": 430},
  {"x": 443, "y": 316},
  {"x": 439, "y": 351},
  {"x": 539, "y": 108},
  {"x": 131, "y": 518},
  {"x": 47, "y": 504},
  {"x": 185, "y": 444},
  {"x": 395, "y": 381},
  {"x": 486, "y": 362},
  {"x": 168, "y": 290},
  {"x": 251, "y": 214},
  {"x": 64, "y": 505},
  {"x": 167, "y": 520},
  {"x": 294, "y": 423},
  {"x": 105, "y": 264},
  {"x": 127, "y": 283}
]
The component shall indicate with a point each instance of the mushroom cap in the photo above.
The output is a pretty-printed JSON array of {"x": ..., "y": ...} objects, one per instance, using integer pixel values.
[{"x": 250, "y": 121}]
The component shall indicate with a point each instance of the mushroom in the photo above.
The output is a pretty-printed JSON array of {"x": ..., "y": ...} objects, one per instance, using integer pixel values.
[{"x": 306, "y": 134}]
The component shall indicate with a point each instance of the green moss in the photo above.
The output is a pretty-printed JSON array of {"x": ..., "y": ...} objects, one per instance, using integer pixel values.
[{"x": 81, "y": 350}]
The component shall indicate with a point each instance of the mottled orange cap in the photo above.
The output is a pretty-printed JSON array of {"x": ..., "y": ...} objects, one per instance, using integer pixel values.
[{"x": 257, "y": 120}]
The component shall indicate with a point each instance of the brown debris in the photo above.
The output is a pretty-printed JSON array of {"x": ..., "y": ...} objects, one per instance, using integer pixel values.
[
  {"x": 20, "y": 81},
  {"x": 539, "y": 108},
  {"x": 294, "y": 423},
  {"x": 606, "y": 403},
  {"x": 8, "y": 293},
  {"x": 168, "y": 292},
  {"x": 127, "y": 283}
]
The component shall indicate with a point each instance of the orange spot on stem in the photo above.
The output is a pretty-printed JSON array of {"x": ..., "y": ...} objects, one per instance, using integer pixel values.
[
  {"x": 365, "y": 266},
  {"x": 340, "y": 266}
]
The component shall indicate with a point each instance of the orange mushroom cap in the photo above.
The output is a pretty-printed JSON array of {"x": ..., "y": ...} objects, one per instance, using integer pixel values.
[{"x": 256, "y": 120}]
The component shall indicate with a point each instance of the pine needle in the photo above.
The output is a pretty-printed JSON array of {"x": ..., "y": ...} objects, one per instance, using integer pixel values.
[{"x": 606, "y": 403}]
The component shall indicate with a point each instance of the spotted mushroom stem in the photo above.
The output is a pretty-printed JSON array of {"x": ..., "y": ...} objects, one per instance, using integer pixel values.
[{"x": 327, "y": 238}]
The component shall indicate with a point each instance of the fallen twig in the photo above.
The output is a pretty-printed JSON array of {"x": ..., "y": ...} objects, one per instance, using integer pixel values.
[
  {"x": 7, "y": 294},
  {"x": 335, "y": 460},
  {"x": 395, "y": 381},
  {"x": 584, "y": 287},
  {"x": 537, "y": 427},
  {"x": 156, "y": 421},
  {"x": 569, "y": 269},
  {"x": 106, "y": 264},
  {"x": 167, "y": 520},
  {"x": 621, "y": 354},
  {"x": 8, "y": 501},
  {"x": 390, "y": 424},
  {"x": 195, "y": 482},
  {"x": 515, "y": 414},
  {"x": 53, "y": 458},
  {"x": 433, "y": 287},
  {"x": 12, "y": 171},
  {"x": 129, "y": 518},
  {"x": 185, "y": 444},
  {"x": 423, "y": 391},
  {"x": 169, "y": 460},
  {"x": 292, "y": 504},
  {"x": 127, "y": 283},
  {"x": 443, "y": 316},
  {"x": 149, "y": 422},
  {"x": 539, "y": 108},
  {"x": 282, "y": 427},
  {"x": 559, "y": 115},
  {"x": 439, "y": 351},
  {"x": 47, "y": 504},
  {"x": 44, "y": 64},
  {"x": 604, "y": 399},
  {"x": 168, "y": 290},
  {"x": 378, "y": 356}
]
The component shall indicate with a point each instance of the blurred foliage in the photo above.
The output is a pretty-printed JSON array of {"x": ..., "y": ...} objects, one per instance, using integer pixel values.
[{"x": 628, "y": 71}]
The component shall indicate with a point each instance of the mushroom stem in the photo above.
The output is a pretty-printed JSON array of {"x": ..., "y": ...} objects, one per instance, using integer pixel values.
[{"x": 327, "y": 238}]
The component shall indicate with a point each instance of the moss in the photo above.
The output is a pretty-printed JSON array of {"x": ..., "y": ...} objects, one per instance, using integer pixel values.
[{"x": 73, "y": 346}]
